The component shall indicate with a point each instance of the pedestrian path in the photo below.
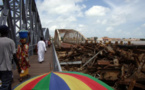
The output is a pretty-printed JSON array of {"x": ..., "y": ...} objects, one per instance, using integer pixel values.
[{"x": 36, "y": 67}]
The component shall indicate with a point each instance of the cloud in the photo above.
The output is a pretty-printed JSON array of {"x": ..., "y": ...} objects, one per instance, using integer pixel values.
[
  {"x": 1, "y": 3},
  {"x": 130, "y": 11},
  {"x": 60, "y": 15},
  {"x": 82, "y": 29},
  {"x": 101, "y": 21},
  {"x": 97, "y": 11},
  {"x": 81, "y": 25},
  {"x": 108, "y": 29},
  {"x": 104, "y": 21},
  {"x": 53, "y": 27},
  {"x": 118, "y": 18},
  {"x": 60, "y": 8},
  {"x": 71, "y": 18},
  {"x": 143, "y": 25}
]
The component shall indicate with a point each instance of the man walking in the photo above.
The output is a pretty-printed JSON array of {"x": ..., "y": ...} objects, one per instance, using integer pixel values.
[
  {"x": 41, "y": 50},
  {"x": 7, "y": 54}
]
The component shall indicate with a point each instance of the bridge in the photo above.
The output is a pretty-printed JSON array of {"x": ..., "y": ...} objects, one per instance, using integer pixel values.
[
  {"x": 23, "y": 14},
  {"x": 95, "y": 57},
  {"x": 68, "y": 36}
]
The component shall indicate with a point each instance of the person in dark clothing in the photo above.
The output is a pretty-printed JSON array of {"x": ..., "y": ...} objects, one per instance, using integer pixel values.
[
  {"x": 7, "y": 54},
  {"x": 49, "y": 43}
]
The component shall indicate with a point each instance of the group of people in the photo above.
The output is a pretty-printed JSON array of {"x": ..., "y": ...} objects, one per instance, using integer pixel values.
[{"x": 9, "y": 54}]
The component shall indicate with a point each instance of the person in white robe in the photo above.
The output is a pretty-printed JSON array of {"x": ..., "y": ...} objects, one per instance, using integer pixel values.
[
  {"x": 46, "y": 42},
  {"x": 41, "y": 50}
]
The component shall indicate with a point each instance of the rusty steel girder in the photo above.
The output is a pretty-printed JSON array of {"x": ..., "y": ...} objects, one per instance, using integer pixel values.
[{"x": 112, "y": 64}]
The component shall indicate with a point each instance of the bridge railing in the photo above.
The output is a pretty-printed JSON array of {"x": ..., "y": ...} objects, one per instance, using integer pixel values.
[
  {"x": 56, "y": 64},
  {"x": 31, "y": 49}
]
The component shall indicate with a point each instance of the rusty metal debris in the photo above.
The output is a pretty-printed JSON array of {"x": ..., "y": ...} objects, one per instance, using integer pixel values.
[{"x": 120, "y": 66}]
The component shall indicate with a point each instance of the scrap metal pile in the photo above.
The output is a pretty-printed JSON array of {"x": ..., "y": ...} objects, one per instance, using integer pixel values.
[{"x": 122, "y": 67}]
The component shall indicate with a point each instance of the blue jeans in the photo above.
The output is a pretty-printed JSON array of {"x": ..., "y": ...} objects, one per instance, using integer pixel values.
[{"x": 6, "y": 78}]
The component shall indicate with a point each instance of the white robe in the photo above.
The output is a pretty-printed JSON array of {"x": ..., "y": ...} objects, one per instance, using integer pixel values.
[{"x": 41, "y": 50}]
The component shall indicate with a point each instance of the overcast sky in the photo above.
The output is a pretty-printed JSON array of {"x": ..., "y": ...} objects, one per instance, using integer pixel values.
[{"x": 112, "y": 18}]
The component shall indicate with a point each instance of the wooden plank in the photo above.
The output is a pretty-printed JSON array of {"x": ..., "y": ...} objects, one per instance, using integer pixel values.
[
  {"x": 36, "y": 67},
  {"x": 68, "y": 63}
]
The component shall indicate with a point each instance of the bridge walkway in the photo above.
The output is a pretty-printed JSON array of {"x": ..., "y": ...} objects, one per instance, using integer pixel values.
[{"x": 36, "y": 67}]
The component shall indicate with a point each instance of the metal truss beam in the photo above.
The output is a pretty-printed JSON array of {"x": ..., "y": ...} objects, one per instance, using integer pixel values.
[
  {"x": 21, "y": 14},
  {"x": 68, "y": 36},
  {"x": 46, "y": 34}
]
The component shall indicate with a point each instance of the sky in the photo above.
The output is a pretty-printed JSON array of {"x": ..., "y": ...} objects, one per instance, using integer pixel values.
[{"x": 95, "y": 18}]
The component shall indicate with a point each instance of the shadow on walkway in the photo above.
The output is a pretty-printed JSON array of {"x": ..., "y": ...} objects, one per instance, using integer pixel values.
[{"x": 36, "y": 67}]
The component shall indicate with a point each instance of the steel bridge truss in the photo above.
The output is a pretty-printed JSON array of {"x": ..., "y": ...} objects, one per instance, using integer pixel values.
[
  {"x": 21, "y": 14},
  {"x": 68, "y": 36}
]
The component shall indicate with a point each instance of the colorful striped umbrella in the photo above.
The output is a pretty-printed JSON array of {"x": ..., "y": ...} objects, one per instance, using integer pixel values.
[{"x": 63, "y": 81}]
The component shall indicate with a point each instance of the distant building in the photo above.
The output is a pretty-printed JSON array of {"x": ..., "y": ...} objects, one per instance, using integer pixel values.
[
  {"x": 131, "y": 39},
  {"x": 100, "y": 39},
  {"x": 115, "y": 39},
  {"x": 105, "y": 38}
]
